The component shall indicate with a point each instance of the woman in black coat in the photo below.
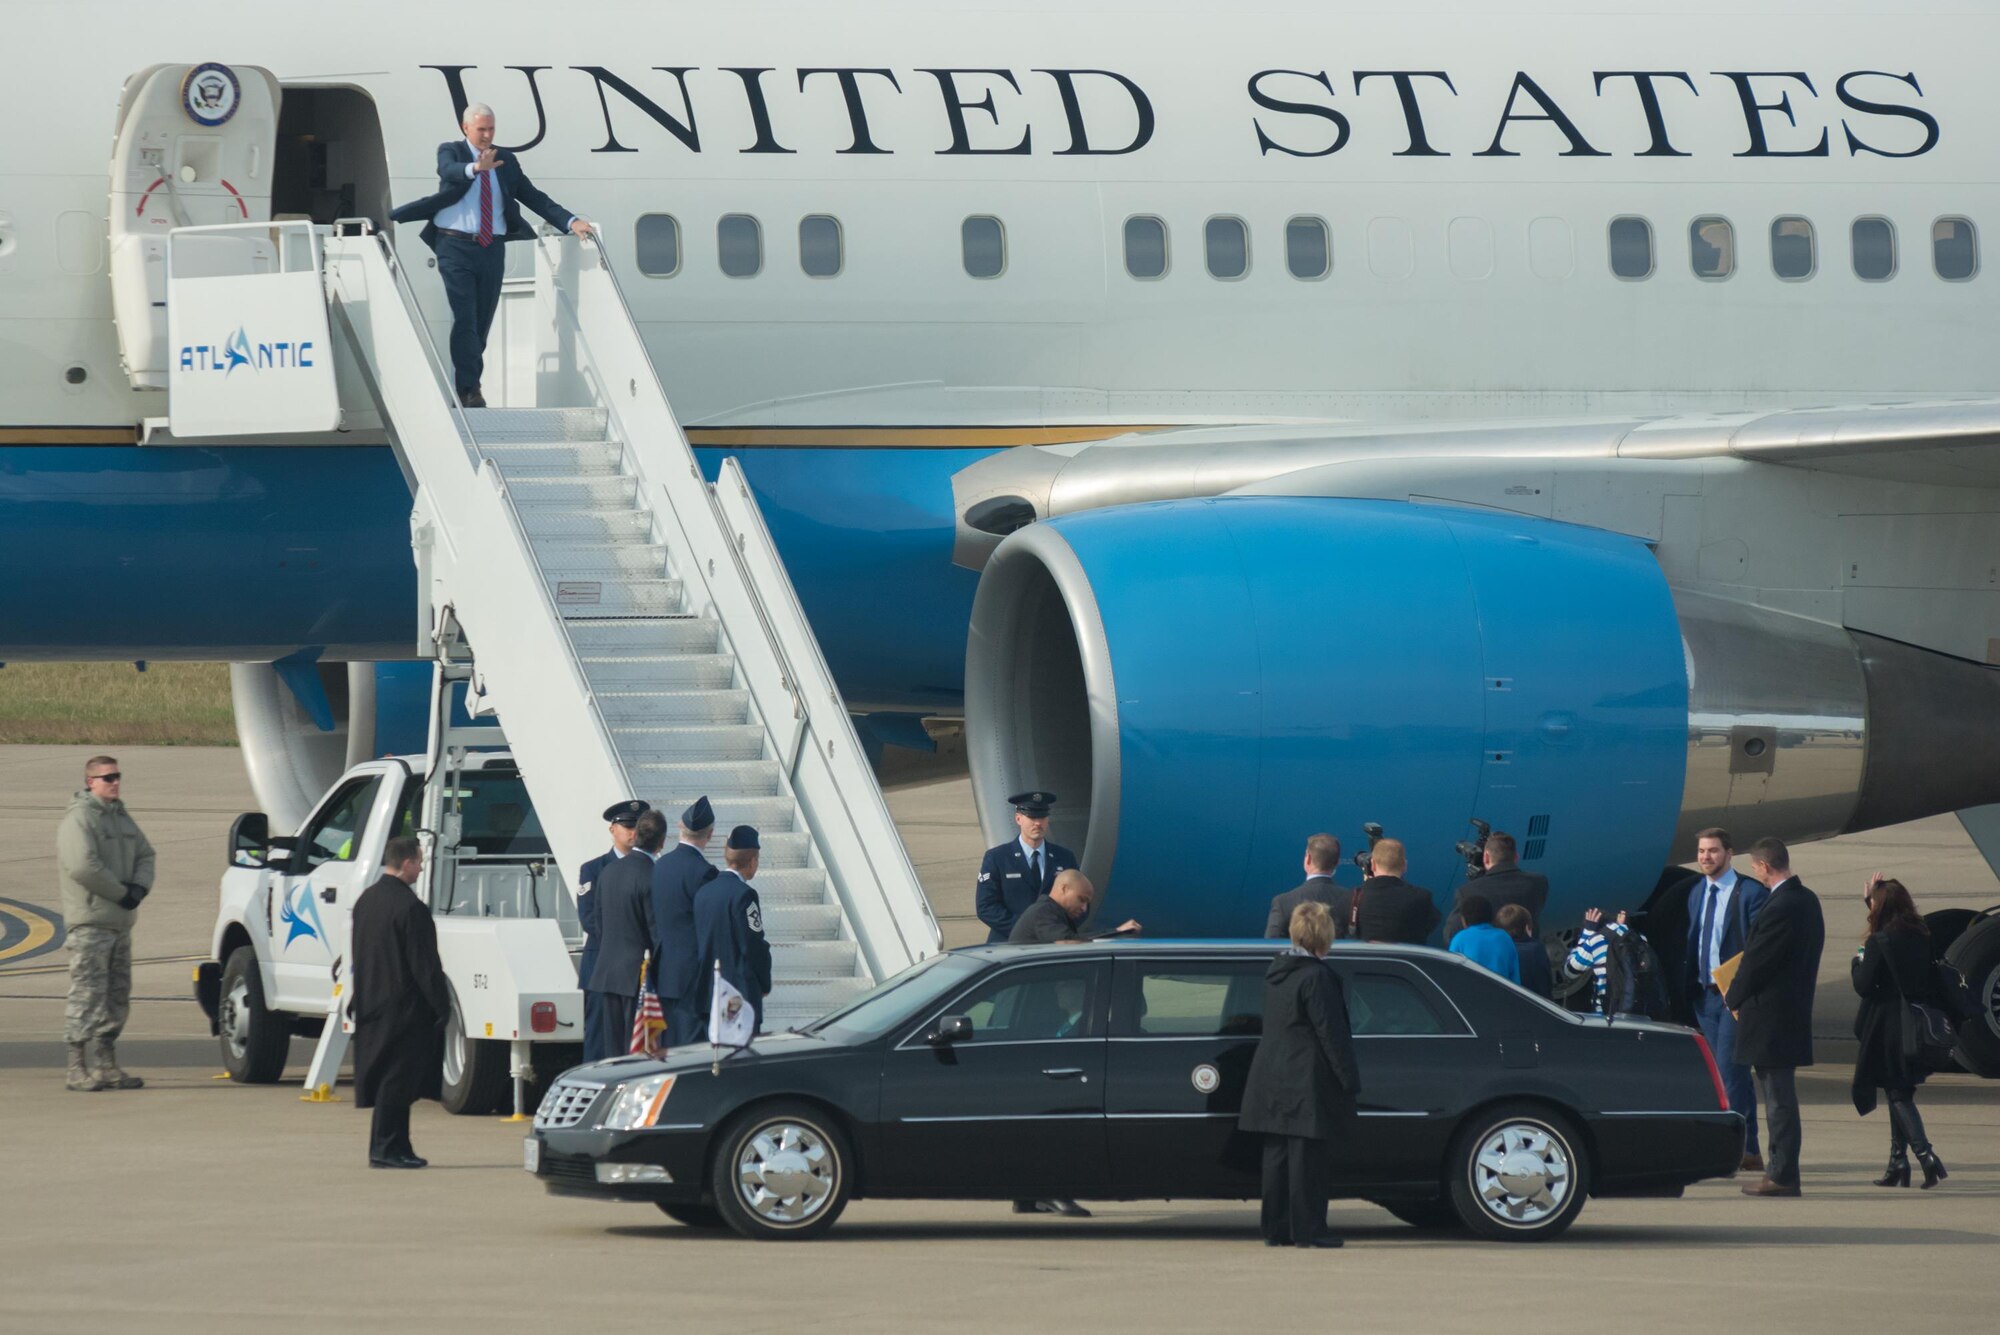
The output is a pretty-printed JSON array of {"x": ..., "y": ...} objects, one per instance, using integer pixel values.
[
  {"x": 1893, "y": 968},
  {"x": 1302, "y": 1085}
]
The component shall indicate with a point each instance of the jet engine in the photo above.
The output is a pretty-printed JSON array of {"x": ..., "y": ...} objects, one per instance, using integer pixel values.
[{"x": 302, "y": 723}]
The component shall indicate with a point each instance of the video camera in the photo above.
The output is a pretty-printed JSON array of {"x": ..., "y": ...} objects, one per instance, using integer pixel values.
[
  {"x": 1474, "y": 850},
  {"x": 1366, "y": 859}
]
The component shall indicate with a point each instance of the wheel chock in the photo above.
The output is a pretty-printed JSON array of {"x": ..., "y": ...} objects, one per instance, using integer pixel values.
[
  {"x": 223, "y": 1076},
  {"x": 323, "y": 1094},
  {"x": 518, "y": 1117}
]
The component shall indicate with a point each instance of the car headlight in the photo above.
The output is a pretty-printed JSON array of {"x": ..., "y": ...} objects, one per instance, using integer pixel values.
[{"x": 638, "y": 1103}]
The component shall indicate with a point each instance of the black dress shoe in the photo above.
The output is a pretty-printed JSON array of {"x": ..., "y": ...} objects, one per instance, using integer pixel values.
[
  {"x": 1325, "y": 1240},
  {"x": 1067, "y": 1209},
  {"x": 472, "y": 398},
  {"x": 1277, "y": 1242},
  {"x": 399, "y": 1161}
]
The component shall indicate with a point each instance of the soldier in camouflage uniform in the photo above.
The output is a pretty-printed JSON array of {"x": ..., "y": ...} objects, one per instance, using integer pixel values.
[{"x": 106, "y": 868}]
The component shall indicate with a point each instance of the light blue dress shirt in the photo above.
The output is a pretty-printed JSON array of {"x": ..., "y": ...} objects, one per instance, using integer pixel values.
[{"x": 464, "y": 215}]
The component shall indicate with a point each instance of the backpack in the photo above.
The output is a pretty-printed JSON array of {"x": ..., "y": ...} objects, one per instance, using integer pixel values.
[{"x": 1634, "y": 981}]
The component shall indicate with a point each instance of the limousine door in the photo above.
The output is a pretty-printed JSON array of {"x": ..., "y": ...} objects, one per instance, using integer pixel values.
[
  {"x": 1012, "y": 1110},
  {"x": 1411, "y": 1045},
  {"x": 1183, "y": 1032}
]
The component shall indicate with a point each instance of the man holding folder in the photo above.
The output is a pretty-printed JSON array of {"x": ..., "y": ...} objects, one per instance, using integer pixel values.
[{"x": 1721, "y": 908}]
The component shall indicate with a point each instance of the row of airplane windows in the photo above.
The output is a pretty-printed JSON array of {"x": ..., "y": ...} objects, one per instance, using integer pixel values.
[{"x": 1712, "y": 247}]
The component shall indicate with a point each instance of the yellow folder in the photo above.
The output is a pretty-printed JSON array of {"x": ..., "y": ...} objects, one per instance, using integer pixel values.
[{"x": 1725, "y": 972}]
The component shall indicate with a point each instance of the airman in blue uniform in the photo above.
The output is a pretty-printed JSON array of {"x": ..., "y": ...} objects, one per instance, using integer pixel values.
[
  {"x": 622, "y": 817},
  {"x": 729, "y": 928},
  {"x": 1022, "y": 870},
  {"x": 677, "y": 965}
]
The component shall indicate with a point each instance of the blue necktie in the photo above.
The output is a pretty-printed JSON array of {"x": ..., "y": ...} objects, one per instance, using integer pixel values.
[
  {"x": 1707, "y": 927},
  {"x": 1037, "y": 861}
]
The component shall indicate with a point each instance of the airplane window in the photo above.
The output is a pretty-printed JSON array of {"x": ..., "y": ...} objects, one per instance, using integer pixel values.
[
  {"x": 1792, "y": 248},
  {"x": 1308, "y": 249},
  {"x": 1712, "y": 247},
  {"x": 739, "y": 245},
  {"x": 983, "y": 240},
  {"x": 1874, "y": 249},
  {"x": 819, "y": 245},
  {"x": 1145, "y": 247},
  {"x": 1228, "y": 243},
  {"x": 1631, "y": 248},
  {"x": 1954, "y": 249},
  {"x": 659, "y": 242}
]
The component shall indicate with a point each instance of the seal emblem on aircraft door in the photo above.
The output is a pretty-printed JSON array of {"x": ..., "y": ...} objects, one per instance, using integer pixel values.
[{"x": 210, "y": 94}]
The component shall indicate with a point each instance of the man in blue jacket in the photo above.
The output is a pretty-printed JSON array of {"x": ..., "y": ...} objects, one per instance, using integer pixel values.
[
  {"x": 621, "y": 817},
  {"x": 1721, "y": 908},
  {"x": 677, "y": 965},
  {"x": 1015, "y": 874},
  {"x": 476, "y": 207},
  {"x": 729, "y": 928}
]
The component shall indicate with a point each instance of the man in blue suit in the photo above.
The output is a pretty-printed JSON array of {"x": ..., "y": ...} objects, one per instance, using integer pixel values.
[
  {"x": 676, "y": 961},
  {"x": 1022, "y": 870},
  {"x": 478, "y": 204},
  {"x": 729, "y": 928},
  {"x": 625, "y": 913},
  {"x": 622, "y": 817},
  {"x": 1721, "y": 908}
]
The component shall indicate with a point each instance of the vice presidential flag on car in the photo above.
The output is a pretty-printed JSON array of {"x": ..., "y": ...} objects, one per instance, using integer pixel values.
[{"x": 732, "y": 1021}]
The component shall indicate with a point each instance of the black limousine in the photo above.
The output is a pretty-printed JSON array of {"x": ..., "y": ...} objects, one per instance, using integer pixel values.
[{"x": 1113, "y": 1071}]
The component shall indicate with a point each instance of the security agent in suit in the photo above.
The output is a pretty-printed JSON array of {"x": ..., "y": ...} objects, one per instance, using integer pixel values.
[
  {"x": 1322, "y": 856},
  {"x": 729, "y": 927},
  {"x": 621, "y": 817},
  {"x": 1504, "y": 883},
  {"x": 1772, "y": 996},
  {"x": 1303, "y": 1083},
  {"x": 1722, "y": 907},
  {"x": 1389, "y": 908},
  {"x": 476, "y": 208},
  {"x": 1057, "y": 918},
  {"x": 677, "y": 964},
  {"x": 1017, "y": 873},
  {"x": 625, "y": 912}
]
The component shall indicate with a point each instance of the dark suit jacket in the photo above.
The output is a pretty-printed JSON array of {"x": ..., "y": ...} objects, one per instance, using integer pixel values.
[
  {"x": 586, "y": 912},
  {"x": 676, "y": 961},
  {"x": 1744, "y": 906},
  {"x": 1502, "y": 885},
  {"x": 401, "y": 999},
  {"x": 1303, "y": 1080},
  {"x": 1316, "y": 889},
  {"x": 624, "y": 911},
  {"x": 1772, "y": 993},
  {"x": 1006, "y": 887},
  {"x": 452, "y": 158},
  {"x": 1394, "y": 910},
  {"x": 729, "y": 933}
]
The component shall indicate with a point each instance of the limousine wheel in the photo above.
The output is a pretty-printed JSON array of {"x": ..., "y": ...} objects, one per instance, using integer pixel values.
[
  {"x": 1519, "y": 1173},
  {"x": 782, "y": 1172}
]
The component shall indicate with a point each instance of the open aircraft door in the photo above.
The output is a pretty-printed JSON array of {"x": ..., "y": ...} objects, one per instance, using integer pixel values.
[{"x": 194, "y": 147}]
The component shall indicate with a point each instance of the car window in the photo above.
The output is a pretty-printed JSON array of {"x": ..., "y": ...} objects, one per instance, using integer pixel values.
[
  {"x": 1385, "y": 1004},
  {"x": 900, "y": 999},
  {"x": 336, "y": 833},
  {"x": 1035, "y": 1004},
  {"x": 1192, "y": 999}
]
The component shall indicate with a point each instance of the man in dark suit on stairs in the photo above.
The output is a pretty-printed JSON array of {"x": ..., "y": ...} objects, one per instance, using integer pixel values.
[
  {"x": 1322, "y": 856},
  {"x": 625, "y": 917},
  {"x": 478, "y": 206}
]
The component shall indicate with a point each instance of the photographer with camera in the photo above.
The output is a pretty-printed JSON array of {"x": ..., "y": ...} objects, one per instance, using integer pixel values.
[
  {"x": 1499, "y": 879},
  {"x": 1389, "y": 908}
]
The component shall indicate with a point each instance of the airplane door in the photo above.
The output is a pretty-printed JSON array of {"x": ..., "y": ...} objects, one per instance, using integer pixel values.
[{"x": 193, "y": 147}]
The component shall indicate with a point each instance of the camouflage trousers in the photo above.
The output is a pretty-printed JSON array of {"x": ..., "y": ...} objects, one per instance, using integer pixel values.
[{"x": 100, "y": 984}]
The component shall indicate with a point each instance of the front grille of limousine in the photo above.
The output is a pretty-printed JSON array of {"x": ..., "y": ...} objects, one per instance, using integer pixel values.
[{"x": 566, "y": 1103}]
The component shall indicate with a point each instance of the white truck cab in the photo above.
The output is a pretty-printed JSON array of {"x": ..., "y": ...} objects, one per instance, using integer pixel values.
[{"x": 506, "y": 919}]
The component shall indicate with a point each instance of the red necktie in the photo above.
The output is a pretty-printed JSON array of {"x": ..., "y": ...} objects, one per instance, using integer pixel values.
[{"x": 486, "y": 208}]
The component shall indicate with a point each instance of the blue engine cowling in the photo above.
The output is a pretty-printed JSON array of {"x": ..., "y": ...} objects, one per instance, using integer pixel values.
[{"x": 1205, "y": 683}]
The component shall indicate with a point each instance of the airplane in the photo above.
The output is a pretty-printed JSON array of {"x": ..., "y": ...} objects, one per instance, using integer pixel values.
[{"x": 1246, "y": 421}]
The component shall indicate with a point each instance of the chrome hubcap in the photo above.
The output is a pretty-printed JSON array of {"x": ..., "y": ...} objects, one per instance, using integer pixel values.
[
  {"x": 786, "y": 1172},
  {"x": 1522, "y": 1173},
  {"x": 234, "y": 1021}
]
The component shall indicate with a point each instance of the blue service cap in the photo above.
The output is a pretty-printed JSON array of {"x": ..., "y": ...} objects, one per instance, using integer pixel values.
[
  {"x": 743, "y": 836},
  {"x": 625, "y": 813},
  {"x": 1036, "y": 803},
  {"x": 699, "y": 814}
]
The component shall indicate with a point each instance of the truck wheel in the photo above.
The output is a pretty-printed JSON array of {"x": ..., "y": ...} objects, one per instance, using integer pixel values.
[
  {"x": 475, "y": 1071},
  {"x": 782, "y": 1172},
  {"x": 693, "y": 1216},
  {"x": 1518, "y": 1173},
  {"x": 1976, "y": 956},
  {"x": 255, "y": 1040}
]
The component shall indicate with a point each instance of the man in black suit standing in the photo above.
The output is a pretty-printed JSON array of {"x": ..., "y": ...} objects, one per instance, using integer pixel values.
[
  {"x": 477, "y": 205},
  {"x": 1772, "y": 997},
  {"x": 677, "y": 963},
  {"x": 400, "y": 1006},
  {"x": 1322, "y": 856},
  {"x": 1389, "y": 908},
  {"x": 1504, "y": 883},
  {"x": 625, "y": 917}
]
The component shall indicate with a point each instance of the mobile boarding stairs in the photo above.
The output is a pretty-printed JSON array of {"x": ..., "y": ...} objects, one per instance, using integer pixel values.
[{"x": 630, "y": 624}]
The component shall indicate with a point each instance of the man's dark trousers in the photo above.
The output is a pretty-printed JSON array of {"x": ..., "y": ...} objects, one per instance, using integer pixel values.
[
  {"x": 1296, "y": 1171},
  {"x": 596, "y": 1043},
  {"x": 1718, "y": 1026},
  {"x": 471, "y": 274},
  {"x": 685, "y": 1022},
  {"x": 1780, "y": 1090},
  {"x": 389, "y": 1131}
]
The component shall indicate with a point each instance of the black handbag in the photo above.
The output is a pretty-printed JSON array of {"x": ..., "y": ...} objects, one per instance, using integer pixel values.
[{"x": 1928, "y": 1034}]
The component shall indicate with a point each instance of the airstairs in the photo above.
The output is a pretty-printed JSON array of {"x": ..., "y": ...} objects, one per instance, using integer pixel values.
[{"x": 630, "y": 624}]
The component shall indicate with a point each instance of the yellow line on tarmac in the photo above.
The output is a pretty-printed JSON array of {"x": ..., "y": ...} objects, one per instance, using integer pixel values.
[{"x": 40, "y": 931}]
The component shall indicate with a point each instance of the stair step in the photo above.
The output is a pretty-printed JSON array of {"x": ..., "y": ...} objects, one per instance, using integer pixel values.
[
  {"x": 781, "y": 852},
  {"x": 574, "y": 493},
  {"x": 793, "y": 887},
  {"x": 749, "y": 778},
  {"x": 644, "y": 713},
  {"x": 585, "y": 523},
  {"x": 801, "y": 922},
  {"x": 533, "y": 425},
  {"x": 610, "y": 674},
  {"x": 646, "y": 635},
  {"x": 813, "y": 959},
  {"x": 595, "y": 594},
  {"x": 793, "y": 1004},
  {"x": 588, "y": 560},
  {"x": 646, "y": 747},
  {"x": 777, "y": 815},
  {"x": 582, "y": 456}
]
